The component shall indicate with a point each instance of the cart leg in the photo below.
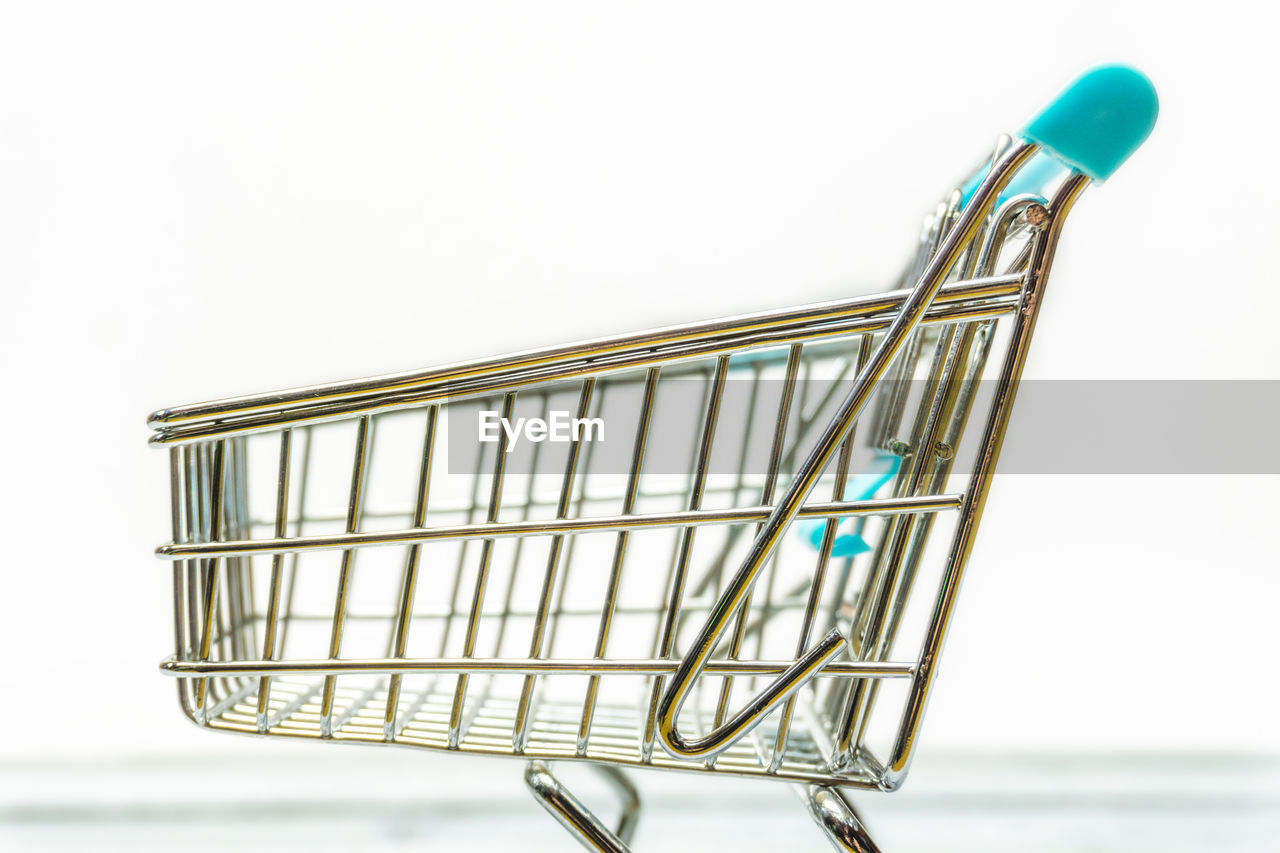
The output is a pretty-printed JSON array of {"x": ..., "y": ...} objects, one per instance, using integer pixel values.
[
  {"x": 839, "y": 821},
  {"x": 575, "y": 817}
]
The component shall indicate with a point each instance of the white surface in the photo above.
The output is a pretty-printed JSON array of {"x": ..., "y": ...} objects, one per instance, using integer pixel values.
[
  {"x": 206, "y": 199},
  {"x": 388, "y": 800}
]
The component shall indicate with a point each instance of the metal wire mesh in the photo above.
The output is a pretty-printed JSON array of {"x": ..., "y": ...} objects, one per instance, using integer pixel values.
[{"x": 365, "y": 569}]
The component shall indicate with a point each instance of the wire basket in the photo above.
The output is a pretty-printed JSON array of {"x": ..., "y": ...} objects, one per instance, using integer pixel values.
[{"x": 730, "y": 548}]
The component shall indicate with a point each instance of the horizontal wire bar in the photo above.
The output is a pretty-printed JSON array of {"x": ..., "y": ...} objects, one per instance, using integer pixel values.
[
  {"x": 691, "y": 604},
  {"x": 516, "y": 666},
  {"x": 854, "y": 308},
  {"x": 513, "y": 379},
  {"x": 855, "y": 776},
  {"x": 447, "y": 508},
  {"x": 497, "y": 530}
]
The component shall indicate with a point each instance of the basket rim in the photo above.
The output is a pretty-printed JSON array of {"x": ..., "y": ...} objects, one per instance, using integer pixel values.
[{"x": 985, "y": 296}]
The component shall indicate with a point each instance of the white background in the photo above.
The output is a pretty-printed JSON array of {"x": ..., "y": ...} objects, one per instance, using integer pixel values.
[{"x": 199, "y": 200}]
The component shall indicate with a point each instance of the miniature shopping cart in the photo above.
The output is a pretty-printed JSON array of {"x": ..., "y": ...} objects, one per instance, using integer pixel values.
[{"x": 730, "y": 547}]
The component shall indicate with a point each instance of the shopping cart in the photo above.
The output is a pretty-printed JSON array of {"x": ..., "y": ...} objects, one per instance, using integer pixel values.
[{"x": 735, "y": 575}]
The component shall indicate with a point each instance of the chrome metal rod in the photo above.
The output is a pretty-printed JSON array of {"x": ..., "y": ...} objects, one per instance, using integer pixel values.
[
  {"x": 491, "y": 530},
  {"x": 843, "y": 826},
  {"x": 980, "y": 483},
  {"x": 359, "y": 467},
  {"x": 667, "y": 621},
  {"x": 505, "y": 381},
  {"x": 482, "y": 575},
  {"x": 520, "y": 729},
  {"x": 803, "y": 316},
  {"x": 588, "y": 829},
  {"x": 277, "y": 570},
  {"x": 781, "y": 420},
  {"x": 619, "y": 557},
  {"x": 913, "y": 309},
  {"x": 409, "y": 578},
  {"x": 815, "y": 596},
  {"x": 519, "y": 666},
  {"x": 209, "y": 570}
]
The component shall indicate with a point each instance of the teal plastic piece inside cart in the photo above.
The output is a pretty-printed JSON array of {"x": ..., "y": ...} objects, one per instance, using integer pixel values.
[
  {"x": 1098, "y": 121},
  {"x": 773, "y": 355},
  {"x": 861, "y": 487}
]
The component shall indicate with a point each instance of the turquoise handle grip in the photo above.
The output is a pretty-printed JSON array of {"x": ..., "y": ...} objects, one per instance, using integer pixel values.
[{"x": 1097, "y": 121}]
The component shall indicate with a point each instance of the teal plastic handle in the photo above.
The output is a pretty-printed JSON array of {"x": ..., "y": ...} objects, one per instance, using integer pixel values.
[{"x": 1098, "y": 121}]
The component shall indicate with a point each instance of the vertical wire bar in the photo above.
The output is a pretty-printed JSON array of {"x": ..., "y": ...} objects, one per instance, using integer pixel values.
[
  {"x": 619, "y": 557},
  {"x": 520, "y": 730},
  {"x": 482, "y": 575},
  {"x": 203, "y": 497},
  {"x": 686, "y": 494},
  {"x": 952, "y": 412},
  {"x": 229, "y": 604},
  {"x": 846, "y": 571},
  {"x": 246, "y": 521},
  {"x": 244, "y": 631},
  {"x": 180, "y": 518},
  {"x": 959, "y": 398},
  {"x": 881, "y": 580},
  {"x": 837, "y": 690},
  {"x": 209, "y": 572},
  {"x": 858, "y": 623},
  {"x": 191, "y": 498},
  {"x": 584, "y": 482},
  {"x": 945, "y": 399},
  {"x": 213, "y": 528},
  {"x": 451, "y": 605},
  {"x": 248, "y": 629},
  {"x": 899, "y": 551},
  {"x": 715, "y": 568},
  {"x": 806, "y": 423},
  {"x": 277, "y": 570},
  {"x": 1040, "y": 261},
  {"x": 794, "y": 355},
  {"x": 891, "y": 574},
  {"x": 806, "y": 478},
  {"x": 230, "y": 589},
  {"x": 291, "y": 579},
  {"x": 518, "y": 547},
  {"x": 179, "y": 567},
  {"x": 194, "y": 461},
  {"x": 889, "y": 552},
  {"x": 671, "y": 615},
  {"x": 504, "y": 614},
  {"x": 939, "y": 225},
  {"x": 770, "y": 580},
  {"x": 404, "y": 608},
  {"x": 229, "y": 597},
  {"x": 815, "y": 596},
  {"x": 472, "y": 507},
  {"x": 355, "y": 500}
]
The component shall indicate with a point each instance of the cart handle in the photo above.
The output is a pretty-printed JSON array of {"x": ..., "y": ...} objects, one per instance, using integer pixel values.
[
  {"x": 1093, "y": 126},
  {"x": 1098, "y": 121}
]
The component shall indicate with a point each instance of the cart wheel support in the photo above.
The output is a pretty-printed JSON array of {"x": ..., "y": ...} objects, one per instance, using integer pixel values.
[
  {"x": 843, "y": 826},
  {"x": 590, "y": 831}
]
